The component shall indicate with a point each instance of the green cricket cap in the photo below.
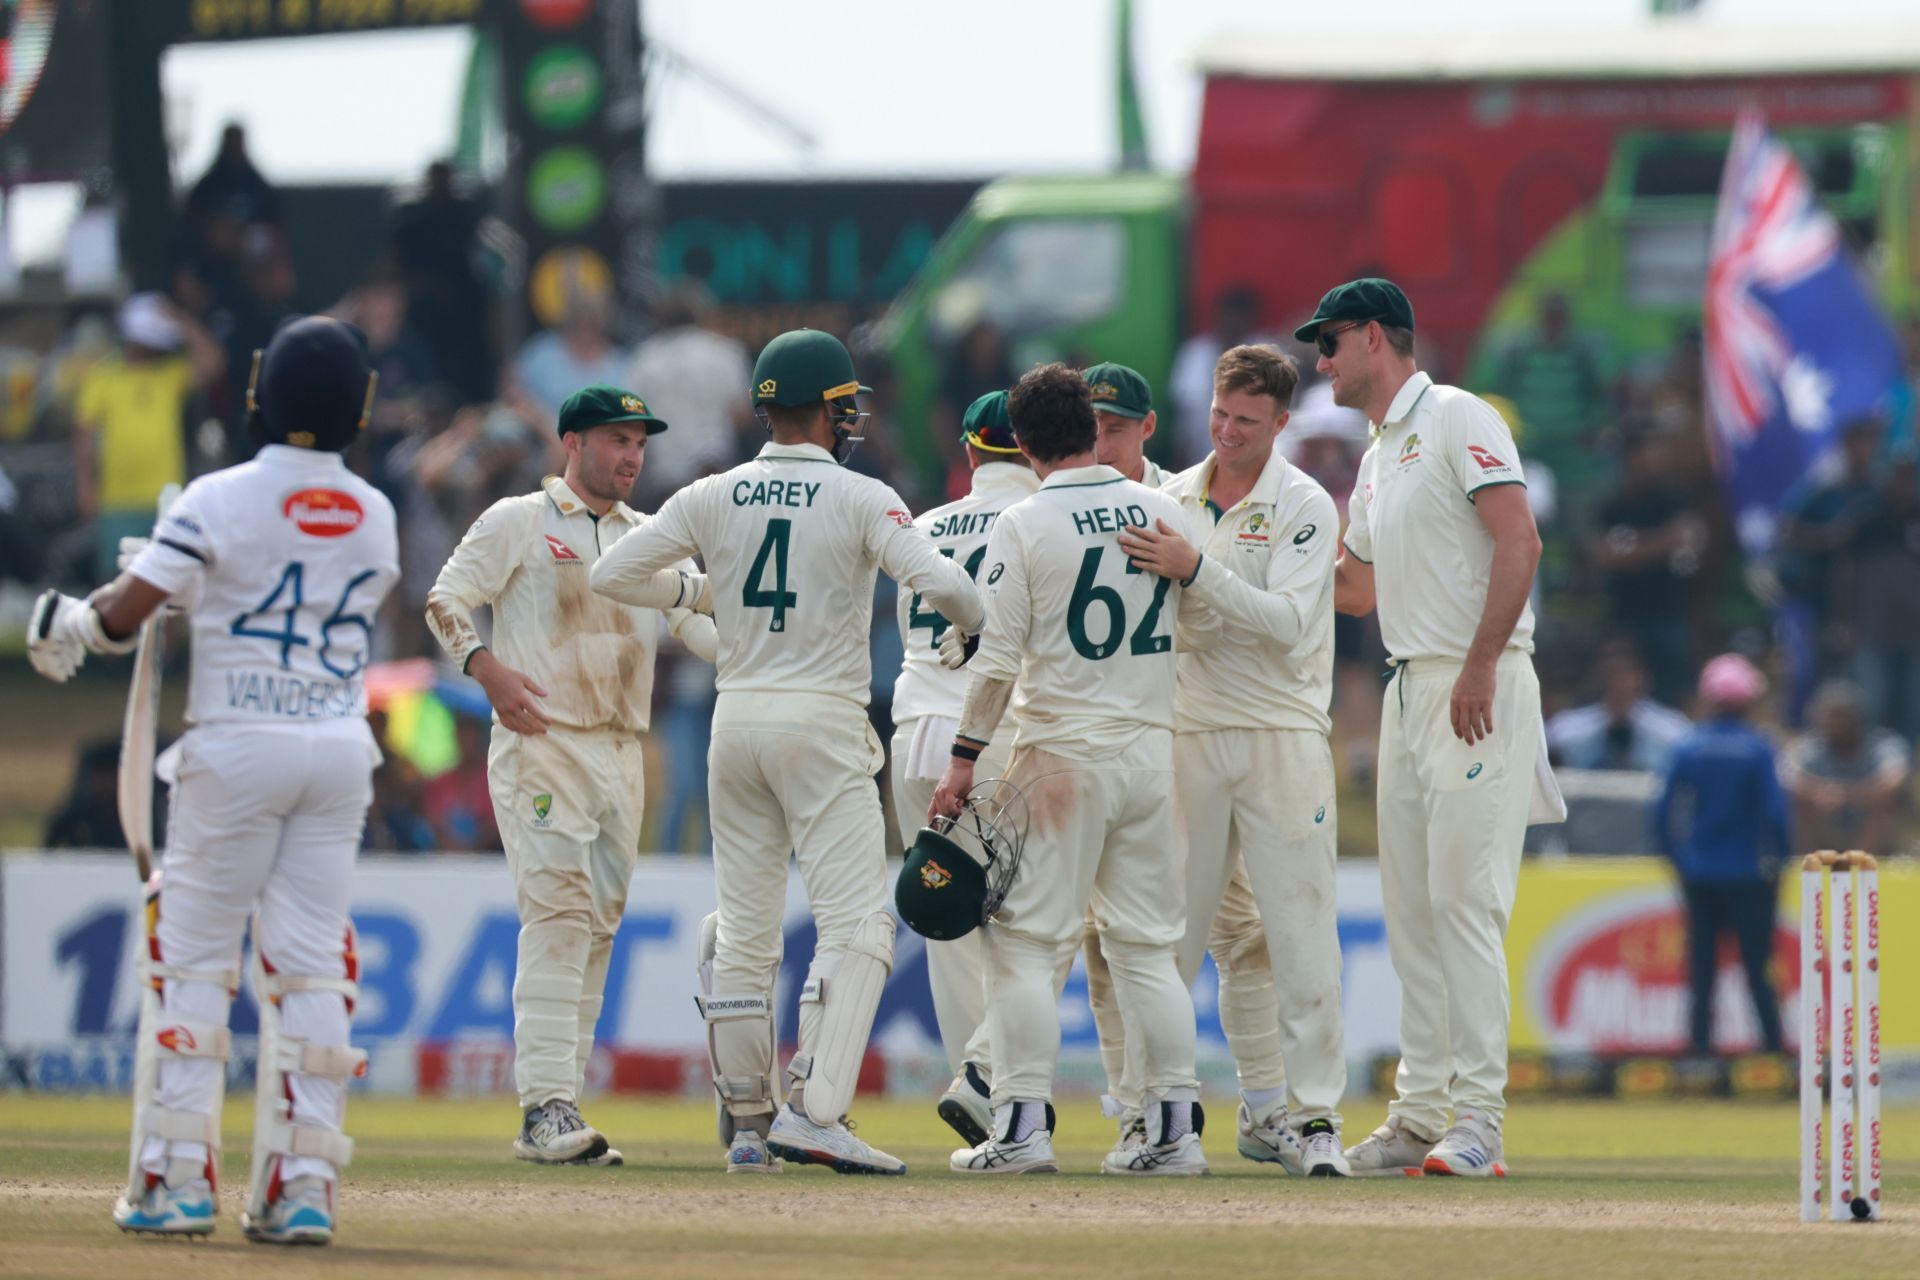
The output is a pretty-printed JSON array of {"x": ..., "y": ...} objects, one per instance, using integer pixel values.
[
  {"x": 1118, "y": 389},
  {"x": 804, "y": 366},
  {"x": 942, "y": 889},
  {"x": 600, "y": 404},
  {"x": 1369, "y": 298},
  {"x": 987, "y": 426}
]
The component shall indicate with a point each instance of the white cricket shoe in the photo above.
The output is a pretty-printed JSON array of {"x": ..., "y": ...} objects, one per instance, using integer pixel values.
[
  {"x": 554, "y": 1133},
  {"x": 967, "y": 1106},
  {"x": 1133, "y": 1133},
  {"x": 1392, "y": 1150},
  {"x": 301, "y": 1214},
  {"x": 749, "y": 1154},
  {"x": 185, "y": 1210},
  {"x": 1006, "y": 1154},
  {"x": 1270, "y": 1141},
  {"x": 794, "y": 1137},
  {"x": 1158, "y": 1157},
  {"x": 1470, "y": 1149},
  {"x": 1321, "y": 1146}
]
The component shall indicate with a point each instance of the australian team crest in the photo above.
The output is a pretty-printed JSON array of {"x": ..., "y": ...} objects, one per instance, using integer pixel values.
[
  {"x": 1410, "y": 451},
  {"x": 935, "y": 876},
  {"x": 1254, "y": 530},
  {"x": 542, "y": 807}
]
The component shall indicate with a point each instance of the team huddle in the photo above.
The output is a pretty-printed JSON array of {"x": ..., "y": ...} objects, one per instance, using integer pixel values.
[{"x": 1112, "y": 738}]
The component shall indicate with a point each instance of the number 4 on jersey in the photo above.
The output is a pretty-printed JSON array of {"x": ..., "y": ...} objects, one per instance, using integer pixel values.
[
  {"x": 933, "y": 618},
  {"x": 752, "y": 594}
]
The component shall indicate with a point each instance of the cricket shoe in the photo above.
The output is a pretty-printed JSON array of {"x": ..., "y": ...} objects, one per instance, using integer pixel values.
[
  {"x": 967, "y": 1106},
  {"x": 554, "y": 1133},
  {"x": 1155, "y": 1155},
  {"x": 1133, "y": 1133},
  {"x": 1321, "y": 1145},
  {"x": 1031, "y": 1151},
  {"x": 748, "y": 1154},
  {"x": 605, "y": 1159},
  {"x": 1471, "y": 1149},
  {"x": 1269, "y": 1142},
  {"x": 794, "y": 1137},
  {"x": 301, "y": 1214},
  {"x": 1392, "y": 1150},
  {"x": 183, "y": 1211}
]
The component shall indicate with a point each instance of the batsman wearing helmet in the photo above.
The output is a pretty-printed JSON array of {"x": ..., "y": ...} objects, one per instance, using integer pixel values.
[
  {"x": 570, "y": 679},
  {"x": 280, "y": 563},
  {"x": 792, "y": 542},
  {"x": 926, "y": 709}
]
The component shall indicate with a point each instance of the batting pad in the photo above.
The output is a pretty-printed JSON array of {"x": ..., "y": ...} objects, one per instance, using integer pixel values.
[{"x": 847, "y": 986}]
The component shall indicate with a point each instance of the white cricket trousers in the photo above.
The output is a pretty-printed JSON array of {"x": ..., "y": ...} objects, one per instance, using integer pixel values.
[
  {"x": 1453, "y": 817},
  {"x": 265, "y": 819},
  {"x": 1100, "y": 834},
  {"x": 804, "y": 789},
  {"x": 1260, "y": 815},
  {"x": 956, "y": 970},
  {"x": 568, "y": 805}
]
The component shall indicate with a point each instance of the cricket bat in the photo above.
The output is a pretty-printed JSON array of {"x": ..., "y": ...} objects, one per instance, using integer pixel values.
[{"x": 138, "y": 730}]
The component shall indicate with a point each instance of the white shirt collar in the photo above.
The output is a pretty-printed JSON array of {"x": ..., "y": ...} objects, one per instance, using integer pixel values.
[
  {"x": 808, "y": 452},
  {"x": 1095, "y": 474},
  {"x": 1404, "y": 400},
  {"x": 287, "y": 455},
  {"x": 1004, "y": 477},
  {"x": 570, "y": 503}
]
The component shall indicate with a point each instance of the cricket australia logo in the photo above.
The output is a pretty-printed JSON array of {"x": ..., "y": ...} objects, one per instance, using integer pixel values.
[
  {"x": 542, "y": 808},
  {"x": 1253, "y": 531},
  {"x": 935, "y": 876},
  {"x": 1410, "y": 451}
]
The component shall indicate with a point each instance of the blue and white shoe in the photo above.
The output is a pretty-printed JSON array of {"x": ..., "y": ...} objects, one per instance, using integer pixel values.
[
  {"x": 185, "y": 1210},
  {"x": 1269, "y": 1140},
  {"x": 796, "y": 1138},
  {"x": 302, "y": 1214},
  {"x": 1471, "y": 1149},
  {"x": 749, "y": 1154}
]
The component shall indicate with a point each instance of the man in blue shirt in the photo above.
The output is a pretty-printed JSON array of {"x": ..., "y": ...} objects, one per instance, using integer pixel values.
[{"x": 1723, "y": 785}]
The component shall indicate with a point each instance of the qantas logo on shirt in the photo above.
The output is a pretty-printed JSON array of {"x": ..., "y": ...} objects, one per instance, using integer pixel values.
[
  {"x": 901, "y": 517},
  {"x": 561, "y": 551},
  {"x": 1486, "y": 460},
  {"x": 323, "y": 513},
  {"x": 178, "y": 1039}
]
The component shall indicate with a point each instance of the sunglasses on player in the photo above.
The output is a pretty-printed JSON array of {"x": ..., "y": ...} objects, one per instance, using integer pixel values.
[{"x": 1328, "y": 340}]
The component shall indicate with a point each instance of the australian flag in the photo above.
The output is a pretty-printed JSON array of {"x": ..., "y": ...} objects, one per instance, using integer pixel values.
[{"x": 1795, "y": 346}]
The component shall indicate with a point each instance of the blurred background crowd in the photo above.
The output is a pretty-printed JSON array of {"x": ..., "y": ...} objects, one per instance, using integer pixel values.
[{"x": 1642, "y": 579}]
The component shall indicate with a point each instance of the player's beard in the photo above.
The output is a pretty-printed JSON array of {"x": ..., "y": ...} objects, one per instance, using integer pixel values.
[
  {"x": 606, "y": 483},
  {"x": 1351, "y": 390}
]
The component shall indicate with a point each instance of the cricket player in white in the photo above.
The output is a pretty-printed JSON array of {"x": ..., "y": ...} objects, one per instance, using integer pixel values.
[
  {"x": 1082, "y": 645},
  {"x": 570, "y": 678},
  {"x": 1252, "y": 762},
  {"x": 792, "y": 542},
  {"x": 281, "y": 563},
  {"x": 1440, "y": 536},
  {"x": 926, "y": 709}
]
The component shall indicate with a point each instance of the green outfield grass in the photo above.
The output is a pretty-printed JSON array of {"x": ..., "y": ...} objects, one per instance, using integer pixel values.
[{"x": 1599, "y": 1189}]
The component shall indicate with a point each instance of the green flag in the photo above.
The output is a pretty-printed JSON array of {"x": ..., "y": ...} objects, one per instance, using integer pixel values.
[{"x": 1133, "y": 128}]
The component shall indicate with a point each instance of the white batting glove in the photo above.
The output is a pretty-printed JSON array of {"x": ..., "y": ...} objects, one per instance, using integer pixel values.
[
  {"x": 54, "y": 646},
  {"x": 696, "y": 592},
  {"x": 956, "y": 646},
  {"x": 130, "y": 549}
]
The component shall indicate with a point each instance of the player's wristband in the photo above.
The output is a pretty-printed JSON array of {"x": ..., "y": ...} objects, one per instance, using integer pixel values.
[
  {"x": 477, "y": 651},
  {"x": 1199, "y": 562},
  {"x": 963, "y": 752}
]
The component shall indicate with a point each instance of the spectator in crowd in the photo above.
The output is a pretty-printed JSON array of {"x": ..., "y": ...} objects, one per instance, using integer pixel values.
[
  {"x": 554, "y": 363},
  {"x": 1846, "y": 777},
  {"x": 1558, "y": 380},
  {"x": 696, "y": 378},
  {"x": 19, "y": 547},
  {"x": 1648, "y": 549},
  {"x": 1722, "y": 783},
  {"x": 396, "y": 821},
  {"x": 457, "y": 803},
  {"x": 1818, "y": 524},
  {"x": 1879, "y": 581},
  {"x": 1236, "y": 317},
  {"x": 89, "y": 818},
  {"x": 436, "y": 244},
  {"x": 233, "y": 187},
  {"x": 1625, "y": 729},
  {"x": 130, "y": 427}
]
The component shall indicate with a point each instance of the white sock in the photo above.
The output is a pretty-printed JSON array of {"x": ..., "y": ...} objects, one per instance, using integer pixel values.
[
  {"x": 1260, "y": 1102},
  {"x": 1179, "y": 1121}
]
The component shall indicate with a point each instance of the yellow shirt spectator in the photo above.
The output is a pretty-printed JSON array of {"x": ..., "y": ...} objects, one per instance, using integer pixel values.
[{"x": 135, "y": 407}]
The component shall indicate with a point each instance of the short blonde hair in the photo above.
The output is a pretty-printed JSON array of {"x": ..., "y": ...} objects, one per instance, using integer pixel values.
[{"x": 1259, "y": 369}]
